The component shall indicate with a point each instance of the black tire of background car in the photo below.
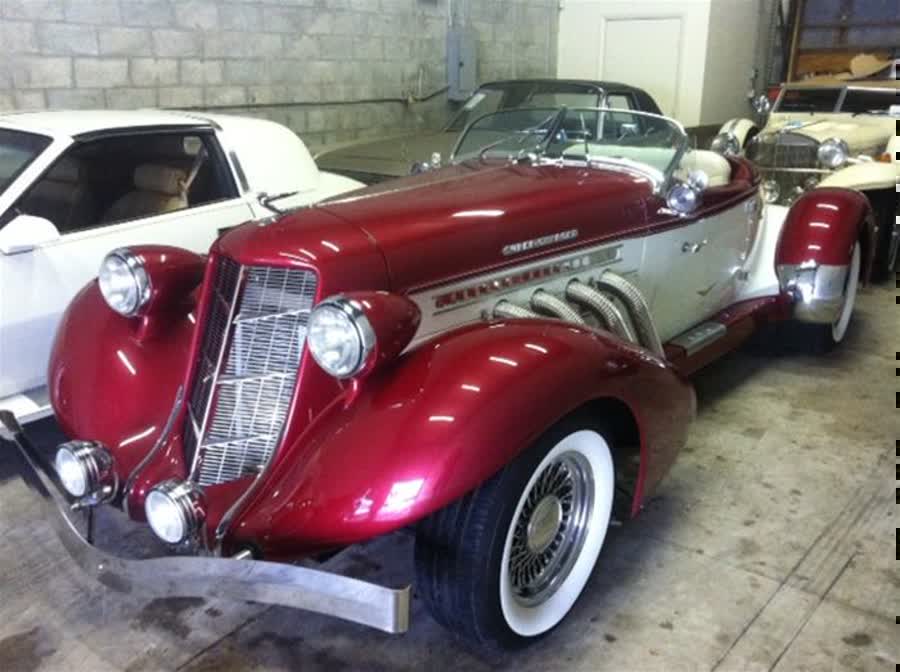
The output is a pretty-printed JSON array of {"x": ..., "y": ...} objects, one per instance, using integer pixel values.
[
  {"x": 460, "y": 547},
  {"x": 886, "y": 207}
]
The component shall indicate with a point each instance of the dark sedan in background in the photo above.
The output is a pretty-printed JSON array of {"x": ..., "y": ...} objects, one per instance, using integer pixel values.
[{"x": 373, "y": 161}]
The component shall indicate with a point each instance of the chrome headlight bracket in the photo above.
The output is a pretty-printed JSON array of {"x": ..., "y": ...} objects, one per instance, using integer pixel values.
[
  {"x": 175, "y": 510},
  {"x": 124, "y": 282},
  {"x": 86, "y": 471}
]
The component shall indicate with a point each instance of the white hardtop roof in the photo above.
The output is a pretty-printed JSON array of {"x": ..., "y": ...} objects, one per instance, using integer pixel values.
[{"x": 72, "y": 123}]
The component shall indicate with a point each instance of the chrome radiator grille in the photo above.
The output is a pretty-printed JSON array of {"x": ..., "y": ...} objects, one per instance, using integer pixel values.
[
  {"x": 249, "y": 357},
  {"x": 784, "y": 150}
]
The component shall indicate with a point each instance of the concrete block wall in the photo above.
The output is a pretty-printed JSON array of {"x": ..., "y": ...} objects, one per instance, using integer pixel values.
[{"x": 333, "y": 70}]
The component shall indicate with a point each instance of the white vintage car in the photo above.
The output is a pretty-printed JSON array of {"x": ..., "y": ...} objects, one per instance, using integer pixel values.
[
  {"x": 75, "y": 185},
  {"x": 828, "y": 133}
]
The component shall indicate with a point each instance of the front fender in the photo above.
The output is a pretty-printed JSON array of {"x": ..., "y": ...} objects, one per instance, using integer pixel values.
[
  {"x": 112, "y": 383},
  {"x": 741, "y": 129},
  {"x": 815, "y": 248},
  {"x": 864, "y": 176},
  {"x": 445, "y": 418}
]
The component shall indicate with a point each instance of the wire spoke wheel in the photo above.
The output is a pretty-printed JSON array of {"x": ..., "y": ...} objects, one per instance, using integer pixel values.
[{"x": 550, "y": 529}]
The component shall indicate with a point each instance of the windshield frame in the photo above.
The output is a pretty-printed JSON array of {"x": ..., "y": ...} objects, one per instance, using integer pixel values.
[
  {"x": 507, "y": 85},
  {"x": 661, "y": 178},
  {"x": 839, "y": 101},
  {"x": 41, "y": 142}
]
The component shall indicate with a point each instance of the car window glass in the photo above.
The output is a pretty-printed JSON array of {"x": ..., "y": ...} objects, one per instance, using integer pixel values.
[
  {"x": 484, "y": 101},
  {"x": 619, "y": 101},
  {"x": 860, "y": 100},
  {"x": 126, "y": 177},
  {"x": 808, "y": 100},
  {"x": 17, "y": 151}
]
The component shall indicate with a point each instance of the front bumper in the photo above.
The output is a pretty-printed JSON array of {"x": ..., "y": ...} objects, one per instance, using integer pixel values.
[
  {"x": 272, "y": 583},
  {"x": 818, "y": 290}
]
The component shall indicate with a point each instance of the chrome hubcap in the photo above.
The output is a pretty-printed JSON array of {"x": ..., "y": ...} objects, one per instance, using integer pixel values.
[{"x": 551, "y": 528}]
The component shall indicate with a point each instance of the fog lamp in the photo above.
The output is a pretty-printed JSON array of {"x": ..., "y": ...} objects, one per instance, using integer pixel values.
[
  {"x": 124, "y": 282},
  {"x": 770, "y": 191},
  {"x": 85, "y": 469},
  {"x": 175, "y": 510}
]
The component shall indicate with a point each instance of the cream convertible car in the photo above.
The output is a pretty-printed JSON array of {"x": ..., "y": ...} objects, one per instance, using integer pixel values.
[
  {"x": 75, "y": 185},
  {"x": 828, "y": 133}
]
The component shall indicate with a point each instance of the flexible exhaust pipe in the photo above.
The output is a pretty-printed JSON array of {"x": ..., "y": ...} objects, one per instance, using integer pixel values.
[
  {"x": 506, "y": 310},
  {"x": 604, "y": 308},
  {"x": 638, "y": 310},
  {"x": 545, "y": 302}
]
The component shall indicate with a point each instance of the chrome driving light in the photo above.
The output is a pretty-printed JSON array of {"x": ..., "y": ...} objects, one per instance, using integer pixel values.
[
  {"x": 175, "y": 510},
  {"x": 833, "y": 153},
  {"x": 124, "y": 282},
  {"x": 85, "y": 470},
  {"x": 726, "y": 144},
  {"x": 340, "y": 337},
  {"x": 770, "y": 191}
]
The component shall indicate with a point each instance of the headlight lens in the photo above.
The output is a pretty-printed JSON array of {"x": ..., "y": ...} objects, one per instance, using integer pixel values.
[
  {"x": 340, "y": 337},
  {"x": 770, "y": 191},
  {"x": 174, "y": 511},
  {"x": 124, "y": 282},
  {"x": 726, "y": 144},
  {"x": 833, "y": 153},
  {"x": 71, "y": 471}
]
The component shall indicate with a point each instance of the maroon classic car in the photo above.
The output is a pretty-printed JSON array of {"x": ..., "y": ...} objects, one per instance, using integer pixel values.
[{"x": 486, "y": 352}]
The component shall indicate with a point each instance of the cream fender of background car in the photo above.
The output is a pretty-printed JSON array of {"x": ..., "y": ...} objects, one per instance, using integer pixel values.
[{"x": 739, "y": 128}]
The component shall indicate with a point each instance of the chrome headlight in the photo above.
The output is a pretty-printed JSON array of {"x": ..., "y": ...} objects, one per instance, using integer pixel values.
[
  {"x": 124, "y": 282},
  {"x": 769, "y": 191},
  {"x": 340, "y": 337},
  {"x": 726, "y": 144},
  {"x": 833, "y": 153},
  {"x": 175, "y": 510},
  {"x": 85, "y": 469}
]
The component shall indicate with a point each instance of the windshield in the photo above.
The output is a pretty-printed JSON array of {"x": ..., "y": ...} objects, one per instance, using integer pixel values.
[
  {"x": 513, "y": 95},
  {"x": 629, "y": 138},
  {"x": 858, "y": 101},
  {"x": 808, "y": 100},
  {"x": 17, "y": 150}
]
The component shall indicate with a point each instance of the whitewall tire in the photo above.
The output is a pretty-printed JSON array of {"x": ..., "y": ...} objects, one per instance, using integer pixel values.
[
  {"x": 506, "y": 563},
  {"x": 851, "y": 287}
]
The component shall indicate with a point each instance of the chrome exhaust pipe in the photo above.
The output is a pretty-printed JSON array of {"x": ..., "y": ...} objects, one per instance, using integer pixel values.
[
  {"x": 603, "y": 307},
  {"x": 545, "y": 302},
  {"x": 506, "y": 310},
  {"x": 638, "y": 310}
]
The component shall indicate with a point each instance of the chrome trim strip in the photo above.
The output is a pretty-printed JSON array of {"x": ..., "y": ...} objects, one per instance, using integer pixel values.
[
  {"x": 315, "y": 590},
  {"x": 161, "y": 439}
]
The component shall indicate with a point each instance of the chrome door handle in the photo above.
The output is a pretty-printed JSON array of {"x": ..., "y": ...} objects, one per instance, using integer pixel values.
[{"x": 693, "y": 248}]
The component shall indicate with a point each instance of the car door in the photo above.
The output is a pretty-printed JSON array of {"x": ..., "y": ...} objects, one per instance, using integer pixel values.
[
  {"x": 104, "y": 194},
  {"x": 698, "y": 262}
]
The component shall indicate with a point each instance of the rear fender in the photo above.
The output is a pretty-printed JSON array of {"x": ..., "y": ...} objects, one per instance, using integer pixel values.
[
  {"x": 446, "y": 417},
  {"x": 814, "y": 251}
]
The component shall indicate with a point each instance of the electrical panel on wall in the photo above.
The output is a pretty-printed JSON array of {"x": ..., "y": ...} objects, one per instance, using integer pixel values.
[{"x": 462, "y": 61}]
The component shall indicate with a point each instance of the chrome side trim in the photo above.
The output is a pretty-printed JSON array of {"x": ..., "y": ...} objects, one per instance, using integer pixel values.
[
  {"x": 699, "y": 337},
  {"x": 315, "y": 590},
  {"x": 160, "y": 441},
  {"x": 818, "y": 290}
]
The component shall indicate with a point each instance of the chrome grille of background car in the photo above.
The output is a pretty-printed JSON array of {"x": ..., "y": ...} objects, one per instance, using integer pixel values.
[
  {"x": 249, "y": 357},
  {"x": 789, "y": 159}
]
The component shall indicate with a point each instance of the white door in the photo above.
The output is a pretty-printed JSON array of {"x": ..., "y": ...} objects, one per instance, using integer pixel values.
[
  {"x": 644, "y": 52},
  {"x": 37, "y": 285}
]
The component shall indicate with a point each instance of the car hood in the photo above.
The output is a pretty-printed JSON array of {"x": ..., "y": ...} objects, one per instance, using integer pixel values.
[
  {"x": 389, "y": 157},
  {"x": 475, "y": 216},
  {"x": 858, "y": 132}
]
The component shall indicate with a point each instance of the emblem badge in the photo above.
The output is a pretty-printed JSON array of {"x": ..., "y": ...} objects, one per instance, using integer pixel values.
[{"x": 536, "y": 243}]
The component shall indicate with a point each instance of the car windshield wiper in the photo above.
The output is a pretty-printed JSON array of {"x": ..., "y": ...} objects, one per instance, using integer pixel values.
[{"x": 266, "y": 200}]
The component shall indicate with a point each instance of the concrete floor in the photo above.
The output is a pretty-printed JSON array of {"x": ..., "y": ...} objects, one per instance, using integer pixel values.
[{"x": 770, "y": 546}]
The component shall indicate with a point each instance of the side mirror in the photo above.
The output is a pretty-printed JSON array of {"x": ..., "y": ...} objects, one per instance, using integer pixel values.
[
  {"x": 683, "y": 197},
  {"x": 698, "y": 179},
  {"x": 762, "y": 105},
  {"x": 26, "y": 232}
]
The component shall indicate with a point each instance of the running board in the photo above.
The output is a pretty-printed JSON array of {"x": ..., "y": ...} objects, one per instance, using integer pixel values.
[{"x": 694, "y": 340}]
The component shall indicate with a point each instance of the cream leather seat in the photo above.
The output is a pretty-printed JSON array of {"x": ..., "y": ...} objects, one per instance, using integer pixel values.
[
  {"x": 62, "y": 197},
  {"x": 713, "y": 164},
  {"x": 157, "y": 190}
]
